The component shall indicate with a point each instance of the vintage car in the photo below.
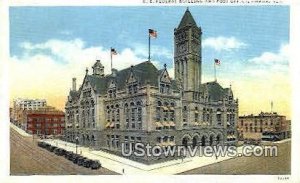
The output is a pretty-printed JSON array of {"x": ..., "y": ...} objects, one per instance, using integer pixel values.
[{"x": 95, "y": 165}]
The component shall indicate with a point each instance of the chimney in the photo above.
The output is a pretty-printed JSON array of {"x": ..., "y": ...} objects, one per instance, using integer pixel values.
[{"x": 74, "y": 84}]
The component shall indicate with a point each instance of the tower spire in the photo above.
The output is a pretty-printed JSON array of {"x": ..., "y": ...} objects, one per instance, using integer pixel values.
[{"x": 187, "y": 19}]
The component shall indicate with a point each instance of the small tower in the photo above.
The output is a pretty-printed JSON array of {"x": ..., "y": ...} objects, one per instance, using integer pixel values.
[{"x": 98, "y": 69}]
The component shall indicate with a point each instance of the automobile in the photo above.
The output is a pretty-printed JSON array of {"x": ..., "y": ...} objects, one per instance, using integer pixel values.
[
  {"x": 59, "y": 151},
  {"x": 80, "y": 161},
  {"x": 67, "y": 153},
  {"x": 76, "y": 158},
  {"x": 52, "y": 148},
  {"x": 74, "y": 155},
  {"x": 41, "y": 144},
  {"x": 70, "y": 156},
  {"x": 63, "y": 152},
  {"x": 48, "y": 147},
  {"x": 95, "y": 164},
  {"x": 87, "y": 163}
]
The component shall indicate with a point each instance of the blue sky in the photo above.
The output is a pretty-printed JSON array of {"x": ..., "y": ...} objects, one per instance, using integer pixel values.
[
  {"x": 262, "y": 29},
  {"x": 250, "y": 41}
]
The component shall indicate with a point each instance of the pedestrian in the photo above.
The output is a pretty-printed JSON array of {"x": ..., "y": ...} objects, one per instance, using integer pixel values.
[{"x": 123, "y": 170}]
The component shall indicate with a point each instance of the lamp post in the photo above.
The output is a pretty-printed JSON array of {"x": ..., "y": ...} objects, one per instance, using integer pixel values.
[{"x": 76, "y": 143}]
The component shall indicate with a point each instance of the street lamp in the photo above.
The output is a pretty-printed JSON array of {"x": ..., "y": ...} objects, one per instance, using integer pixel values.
[{"x": 77, "y": 139}]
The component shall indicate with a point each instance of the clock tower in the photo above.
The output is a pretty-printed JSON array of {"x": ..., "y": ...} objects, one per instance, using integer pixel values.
[{"x": 187, "y": 54}]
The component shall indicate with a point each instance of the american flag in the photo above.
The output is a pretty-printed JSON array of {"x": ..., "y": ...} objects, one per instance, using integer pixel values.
[
  {"x": 217, "y": 61},
  {"x": 153, "y": 33},
  {"x": 113, "y": 51}
]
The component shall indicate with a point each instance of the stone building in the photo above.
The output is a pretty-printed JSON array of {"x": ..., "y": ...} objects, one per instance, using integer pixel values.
[
  {"x": 143, "y": 104},
  {"x": 264, "y": 126}
]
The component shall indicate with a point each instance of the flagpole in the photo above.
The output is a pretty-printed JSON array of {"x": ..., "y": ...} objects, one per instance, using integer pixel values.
[
  {"x": 149, "y": 47},
  {"x": 111, "y": 59},
  {"x": 215, "y": 71}
]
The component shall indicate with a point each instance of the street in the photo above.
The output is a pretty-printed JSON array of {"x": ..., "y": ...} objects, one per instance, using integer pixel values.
[
  {"x": 26, "y": 158},
  {"x": 280, "y": 165}
]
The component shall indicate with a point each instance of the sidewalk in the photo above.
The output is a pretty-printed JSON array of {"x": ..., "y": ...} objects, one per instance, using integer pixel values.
[
  {"x": 117, "y": 163},
  {"x": 282, "y": 141},
  {"x": 20, "y": 131}
]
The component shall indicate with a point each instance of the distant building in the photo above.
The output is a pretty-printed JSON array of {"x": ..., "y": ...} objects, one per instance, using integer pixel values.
[
  {"x": 264, "y": 126},
  {"x": 44, "y": 121},
  {"x": 143, "y": 104},
  {"x": 29, "y": 104},
  {"x": 20, "y": 105}
]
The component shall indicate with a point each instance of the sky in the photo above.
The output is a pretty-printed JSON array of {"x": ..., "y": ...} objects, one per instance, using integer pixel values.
[{"x": 50, "y": 45}]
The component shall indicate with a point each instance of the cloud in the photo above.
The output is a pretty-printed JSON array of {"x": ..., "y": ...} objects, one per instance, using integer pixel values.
[
  {"x": 45, "y": 70},
  {"x": 223, "y": 43},
  {"x": 270, "y": 62},
  {"x": 270, "y": 58}
]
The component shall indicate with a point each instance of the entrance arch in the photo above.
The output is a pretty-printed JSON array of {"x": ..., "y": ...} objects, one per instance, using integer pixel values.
[
  {"x": 211, "y": 140},
  {"x": 218, "y": 139},
  {"x": 195, "y": 141},
  {"x": 185, "y": 142},
  {"x": 203, "y": 141}
]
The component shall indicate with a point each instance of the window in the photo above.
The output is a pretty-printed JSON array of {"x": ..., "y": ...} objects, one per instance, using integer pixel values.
[
  {"x": 140, "y": 114},
  {"x": 158, "y": 139}
]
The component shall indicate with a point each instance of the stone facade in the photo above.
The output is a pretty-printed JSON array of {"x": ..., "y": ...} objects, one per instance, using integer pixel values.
[
  {"x": 143, "y": 104},
  {"x": 264, "y": 126}
]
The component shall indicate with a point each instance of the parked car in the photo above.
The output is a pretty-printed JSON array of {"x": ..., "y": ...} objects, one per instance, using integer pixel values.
[
  {"x": 87, "y": 163},
  {"x": 95, "y": 164},
  {"x": 67, "y": 153},
  {"x": 76, "y": 158},
  {"x": 80, "y": 161},
  {"x": 70, "y": 156},
  {"x": 42, "y": 144},
  {"x": 52, "y": 148},
  {"x": 59, "y": 151}
]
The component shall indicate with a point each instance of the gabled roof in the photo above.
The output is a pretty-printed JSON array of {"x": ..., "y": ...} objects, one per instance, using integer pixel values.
[
  {"x": 187, "y": 19},
  {"x": 145, "y": 73},
  {"x": 215, "y": 91}
]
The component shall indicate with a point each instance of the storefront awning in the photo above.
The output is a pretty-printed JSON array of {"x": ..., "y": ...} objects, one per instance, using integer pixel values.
[
  {"x": 166, "y": 123},
  {"x": 165, "y": 108},
  {"x": 158, "y": 124},
  {"x": 172, "y": 123},
  {"x": 112, "y": 125},
  {"x": 107, "y": 125}
]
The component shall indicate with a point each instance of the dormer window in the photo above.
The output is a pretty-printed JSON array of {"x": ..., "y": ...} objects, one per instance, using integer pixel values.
[
  {"x": 132, "y": 88},
  {"x": 164, "y": 88},
  {"x": 112, "y": 90}
]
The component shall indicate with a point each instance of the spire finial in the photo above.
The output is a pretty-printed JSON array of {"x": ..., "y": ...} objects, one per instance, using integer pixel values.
[
  {"x": 165, "y": 66},
  {"x": 86, "y": 71},
  {"x": 187, "y": 8}
]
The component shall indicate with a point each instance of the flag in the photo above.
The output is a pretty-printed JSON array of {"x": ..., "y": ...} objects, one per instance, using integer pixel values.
[
  {"x": 217, "y": 61},
  {"x": 152, "y": 33},
  {"x": 113, "y": 51}
]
